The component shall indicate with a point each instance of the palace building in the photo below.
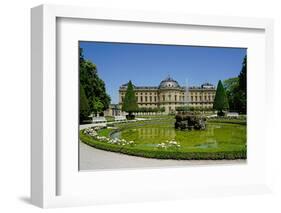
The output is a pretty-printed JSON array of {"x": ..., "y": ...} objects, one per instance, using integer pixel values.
[{"x": 169, "y": 94}]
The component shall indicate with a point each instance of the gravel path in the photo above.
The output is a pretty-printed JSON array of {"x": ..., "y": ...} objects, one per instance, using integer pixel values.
[{"x": 92, "y": 159}]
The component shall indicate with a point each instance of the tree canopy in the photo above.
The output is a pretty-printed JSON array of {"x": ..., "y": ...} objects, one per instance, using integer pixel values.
[
  {"x": 94, "y": 87},
  {"x": 236, "y": 90},
  {"x": 242, "y": 94},
  {"x": 130, "y": 101},
  {"x": 243, "y": 76},
  {"x": 220, "y": 102},
  {"x": 84, "y": 106},
  {"x": 231, "y": 88}
]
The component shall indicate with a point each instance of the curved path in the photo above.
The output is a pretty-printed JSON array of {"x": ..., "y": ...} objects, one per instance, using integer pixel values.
[{"x": 92, "y": 159}]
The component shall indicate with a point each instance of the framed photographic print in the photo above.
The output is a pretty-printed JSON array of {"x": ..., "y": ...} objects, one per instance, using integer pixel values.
[
  {"x": 161, "y": 121},
  {"x": 130, "y": 106}
]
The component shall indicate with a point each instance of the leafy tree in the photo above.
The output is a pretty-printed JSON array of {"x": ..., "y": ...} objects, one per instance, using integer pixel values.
[
  {"x": 220, "y": 102},
  {"x": 243, "y": 76},
  {"x": 98, "y": 105},
  {"x": 84, "y": 107},
  {"x": 236, "y": 90},
  {"x": 130, "y": 101},
  {"x": 231, "y": 86},
  {"x": 242, "y": 95},
  {"x": 94, "y": 86}
]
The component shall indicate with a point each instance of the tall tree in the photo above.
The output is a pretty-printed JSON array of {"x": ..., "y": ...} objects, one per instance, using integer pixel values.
[
  {"x": 231, "y": 86},
  {"x": 243, "y": 76},
  {"x": 220, "y": 102},
  {"x": 242, "y": 95},
  {"x": 236, "y": 90},
  {"x": 84, "y": 110},
  {"x": 94, "y": 86},
  {"x": 130, "y": 101}
]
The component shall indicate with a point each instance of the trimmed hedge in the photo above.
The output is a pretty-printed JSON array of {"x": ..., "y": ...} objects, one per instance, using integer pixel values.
[
  {"x": 241, "y": 122},
  {"x": 164, "y": 154}
]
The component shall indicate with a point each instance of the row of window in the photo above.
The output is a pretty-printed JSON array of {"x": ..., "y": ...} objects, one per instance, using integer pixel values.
[
  {"x": 176, "y": 98},
  {"x": 155, "y": 93},
  {"x": 192, "y": 104},
  {"x": 205, "y": 98}
]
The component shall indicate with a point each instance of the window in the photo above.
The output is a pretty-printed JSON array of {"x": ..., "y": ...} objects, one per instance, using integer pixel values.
[
  {"x": 150, "y": 98},
  {"x": 145, "y": 98},
  {"x": 175, "y": 97}
]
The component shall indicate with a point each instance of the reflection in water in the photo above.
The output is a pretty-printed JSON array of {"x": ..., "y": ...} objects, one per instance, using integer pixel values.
[
  {"x": 147, "y": 133},
  {"x": 210, "y": 143},
  {"x": 116, "y": 135},
  {"x": 209, "y": 138}
]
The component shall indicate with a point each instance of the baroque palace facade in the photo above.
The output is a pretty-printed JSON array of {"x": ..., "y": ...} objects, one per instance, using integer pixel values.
[{"x": 169, "y": 94}]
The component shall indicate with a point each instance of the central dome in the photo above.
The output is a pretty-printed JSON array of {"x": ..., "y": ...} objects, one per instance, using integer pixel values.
[{"x": 169, "y": 83}]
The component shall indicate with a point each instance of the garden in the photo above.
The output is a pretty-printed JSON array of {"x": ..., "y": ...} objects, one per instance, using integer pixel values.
[
  {"x": 186, "y": 134},
  {"x": 158, "y": 138}
]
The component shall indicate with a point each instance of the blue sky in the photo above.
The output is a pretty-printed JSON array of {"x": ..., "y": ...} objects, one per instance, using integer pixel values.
[{"x": 147, "y": 65}]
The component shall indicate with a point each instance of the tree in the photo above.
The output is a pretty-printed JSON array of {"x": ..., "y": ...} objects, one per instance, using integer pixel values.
[
  {"x": 243, "y": 76},
  {"x": 236, "y": 90},
  {"x": 130, "y": 101},
  {"x": 94, "y": 87},
  {"x": 84, "y": 106},
  {"x": 242, "y": 95},
  {"x": 98, "y": 106},
  {"x": 220, "y": 102},
  {"x": 231, "y": 86}
]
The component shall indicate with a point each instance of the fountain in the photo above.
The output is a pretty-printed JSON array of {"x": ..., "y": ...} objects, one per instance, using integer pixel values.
[
  {"x": 190, "y": 121},
  {"x": 186, "y": 120}
]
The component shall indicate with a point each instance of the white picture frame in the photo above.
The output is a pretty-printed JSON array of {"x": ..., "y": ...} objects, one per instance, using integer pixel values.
[{"x": 45, "y": 168}]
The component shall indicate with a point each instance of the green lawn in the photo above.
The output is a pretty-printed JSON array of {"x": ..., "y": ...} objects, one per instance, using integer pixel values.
[
  {"x": 221, "y": 140},
  {"x": 156, "y": 116}
]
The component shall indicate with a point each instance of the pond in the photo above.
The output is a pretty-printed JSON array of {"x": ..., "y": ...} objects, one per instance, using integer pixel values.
[{"x": 217, "y": 136}]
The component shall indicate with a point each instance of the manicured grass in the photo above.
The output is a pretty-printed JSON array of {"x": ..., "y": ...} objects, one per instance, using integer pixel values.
[
  {"x": 221, "y": 140},
  {"x": 156, "y": 116}
]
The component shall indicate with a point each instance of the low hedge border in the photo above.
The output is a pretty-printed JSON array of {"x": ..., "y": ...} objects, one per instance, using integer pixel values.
[
  {"x": 241, "y": 122},
  {"x": 161, "y": 154}
]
